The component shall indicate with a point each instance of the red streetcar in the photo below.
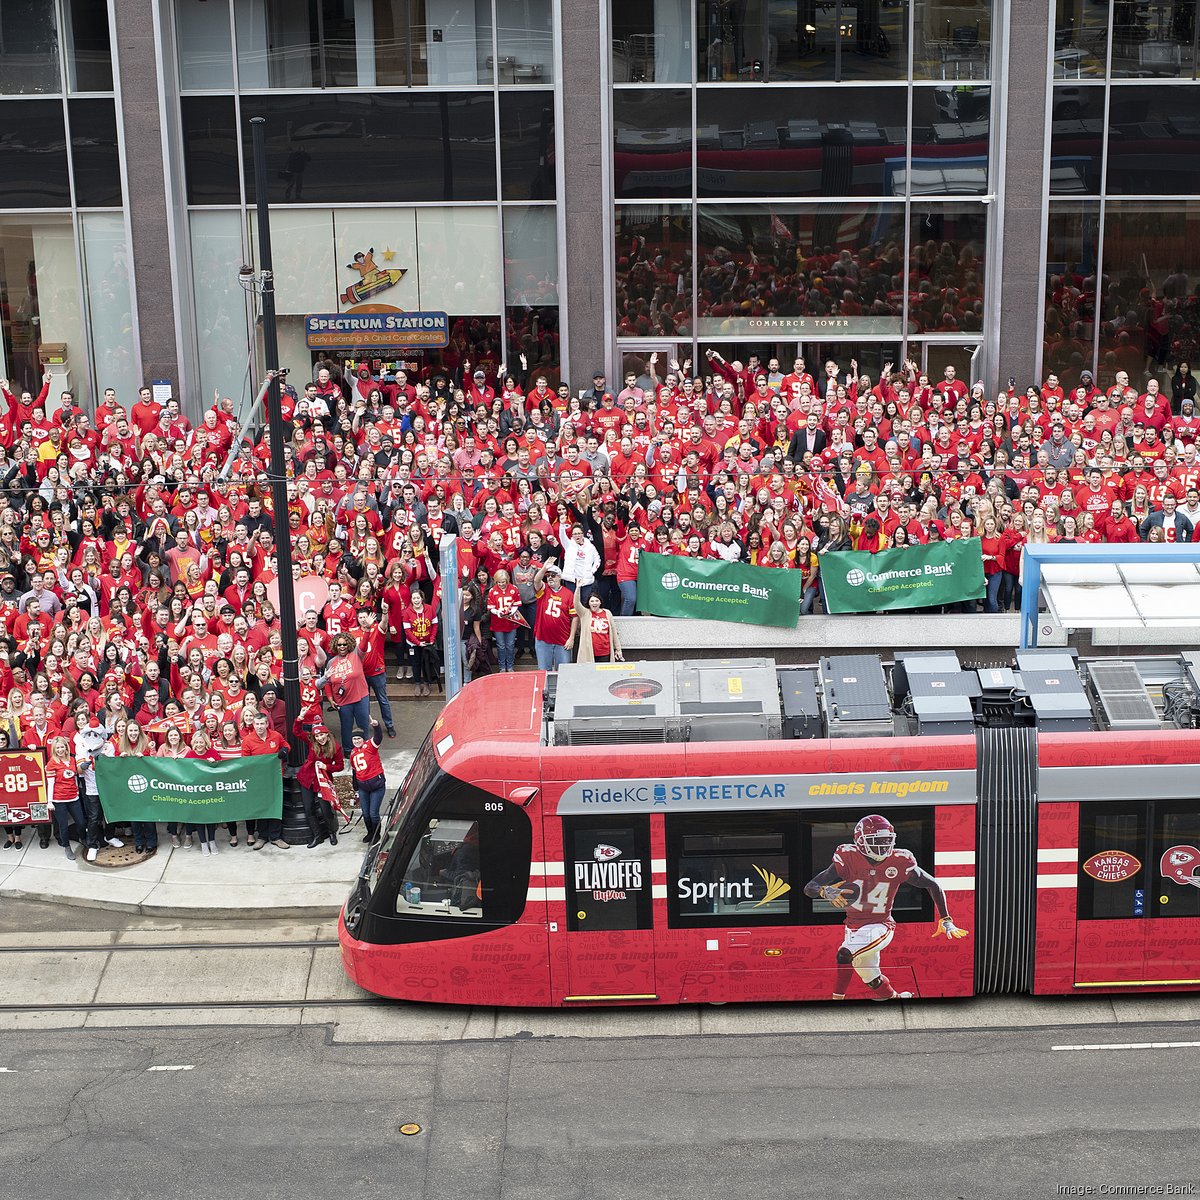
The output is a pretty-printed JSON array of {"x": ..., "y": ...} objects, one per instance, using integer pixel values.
[{"x": 671, "y": 833}]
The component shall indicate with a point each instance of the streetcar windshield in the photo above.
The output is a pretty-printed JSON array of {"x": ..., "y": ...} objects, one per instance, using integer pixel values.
[{"x": 420, "y": 775}]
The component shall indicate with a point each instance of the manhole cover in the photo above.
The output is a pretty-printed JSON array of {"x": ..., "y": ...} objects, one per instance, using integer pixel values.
[{"x": 114, "y": 856}]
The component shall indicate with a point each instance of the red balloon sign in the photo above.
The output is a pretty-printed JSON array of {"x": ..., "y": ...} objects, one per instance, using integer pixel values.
[{"x": 311, "y": 591}]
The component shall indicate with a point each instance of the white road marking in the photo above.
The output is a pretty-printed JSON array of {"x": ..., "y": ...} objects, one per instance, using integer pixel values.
[
  {"x": 174, "y": 1067},
  {"x": 7, "y": 1071},
  {"x": 1130, "y": 1046}
]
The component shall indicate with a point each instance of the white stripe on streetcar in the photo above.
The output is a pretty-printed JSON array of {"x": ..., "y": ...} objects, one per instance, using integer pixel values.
[
  {"x": 954, "y": 858},
  {"x": 1057, "y": 881},
  {"x": 547, "y": 893},
  {"x": 1063, "y": 854},
  {"x": 965, "y": 883}
]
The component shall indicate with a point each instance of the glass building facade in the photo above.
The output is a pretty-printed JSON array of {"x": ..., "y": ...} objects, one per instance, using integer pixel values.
[
  {"x": 1122, "y": 277},
  {"x": 64, "y": 235},
  {"x": 587, "y": 185}
]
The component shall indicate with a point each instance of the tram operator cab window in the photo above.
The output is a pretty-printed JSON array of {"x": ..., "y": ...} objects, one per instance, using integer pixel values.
[{"x": 443, "y": 877}]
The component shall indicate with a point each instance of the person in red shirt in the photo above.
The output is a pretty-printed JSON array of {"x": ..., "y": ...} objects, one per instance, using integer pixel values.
[
  {"x": 420, "y": 623},
  {"x": 346, "y": 686},
  {"x": 555, "y": 625},
  {"x": 370, "y": 641},
  {"x": 62, "y": 792},
  {"x": 145, "y": 412},
  {"x": 504, "y": 609},
  {"x": 323, "y": 759},
  {"x": 366, "y": 769},
  {"x": 262, "y": 739}
]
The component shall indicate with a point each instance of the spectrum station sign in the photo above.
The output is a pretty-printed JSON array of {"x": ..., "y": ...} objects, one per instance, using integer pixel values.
[{"x": 378, "y": 330}]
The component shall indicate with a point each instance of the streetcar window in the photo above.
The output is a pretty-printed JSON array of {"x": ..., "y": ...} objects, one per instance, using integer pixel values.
[
  {"x": 726, "y": 869},
  {"x": 608, "y": 874},
  {"x": 822, "y": 833},
  {"x": 443, "y": 877},
  {"x": 1112, "y": 858},
  {"x": 416, "y": 782},
  {"x": 1176, "y": 861}
]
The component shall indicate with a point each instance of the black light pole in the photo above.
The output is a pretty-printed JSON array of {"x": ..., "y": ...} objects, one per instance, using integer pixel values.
[{"x": 295, "y": 826}]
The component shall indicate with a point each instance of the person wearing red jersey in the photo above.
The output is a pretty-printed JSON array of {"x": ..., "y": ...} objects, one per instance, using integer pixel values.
[
  {"x": 260, "y": 738},
  {"x": 863, "y": 879},
  {"x": 338, "y": 612},
  {"x": 555, "y": 625},
  {"x": 366, "y": 769},
  {"x": 419, "y": 622},
  {"x": 370, "y": 641},
  {"x": 322, "y": 760},
  {"x": 62, "y": 792},
  {"x": 346, "y": 686}
]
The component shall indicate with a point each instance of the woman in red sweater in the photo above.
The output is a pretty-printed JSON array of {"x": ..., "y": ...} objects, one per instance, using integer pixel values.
[
  {"x": 323, "y": 759},
  {"x": 992, "y": 547},
  {"x": 62, "y": 792},
  {"x": 504, "y": 609}
]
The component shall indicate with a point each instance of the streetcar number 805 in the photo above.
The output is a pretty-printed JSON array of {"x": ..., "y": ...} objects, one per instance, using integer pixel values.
[{"x": 493, "y": 807}]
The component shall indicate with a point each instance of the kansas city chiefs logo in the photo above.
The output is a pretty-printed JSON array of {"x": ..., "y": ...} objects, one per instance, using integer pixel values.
[
  {"x": 1180, "y": 858},
  {"x": 603, "y": 853}
]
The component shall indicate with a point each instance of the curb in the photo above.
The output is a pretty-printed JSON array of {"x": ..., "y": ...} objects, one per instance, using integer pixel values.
[{"x": 149, "y": 909}]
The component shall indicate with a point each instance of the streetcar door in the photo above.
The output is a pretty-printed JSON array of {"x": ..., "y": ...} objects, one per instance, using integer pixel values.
[
  {"x": 610, "y": 939},
  {"x": 1173, "y": 905},
  {"x": 1114, "y": 893}
]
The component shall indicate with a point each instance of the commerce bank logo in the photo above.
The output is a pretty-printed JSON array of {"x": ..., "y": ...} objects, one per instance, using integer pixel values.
[
  {"x": 855, "y": 577},
  {"x": 138, "y": 784},
  {"x": 670, "y": 582}
]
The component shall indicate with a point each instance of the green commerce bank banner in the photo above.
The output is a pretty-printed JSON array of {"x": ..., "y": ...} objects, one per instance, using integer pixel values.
[
  {"x": 914, "y": 577},
  {"x": 672, "y": 586},
  {"x": 190, "y": 790}
]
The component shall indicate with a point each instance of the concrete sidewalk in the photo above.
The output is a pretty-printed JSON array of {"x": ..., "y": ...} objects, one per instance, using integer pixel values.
[{"x": 238, "y": 882}]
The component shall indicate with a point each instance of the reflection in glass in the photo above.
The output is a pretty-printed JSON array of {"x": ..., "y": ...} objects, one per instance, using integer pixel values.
[
  {"x": 33, "y": 155},
  {"x": 952, "y": 39},
  {"x": 523, "y": 41},
  {"x": 533, "y": 331},
  {"x": 652, "y": 142},
  {"x": 1154, "y": 140},
  {"x": 1072, "y": 243},
  {"x": 412, "y": 147},
  {"x": 1154, "y": 40},
  {"x": 800, "y": 141},
  {"x": 651, "y": 39},
  {"x": 748, "y": 41},
  {"x": 768, "y": 260},
  {"x": 1080, "y": 39},
  {"x": 950, "y": 140},
  {"x": 89, "y": 56},
  {"x": 527, "y": 146},
  {"x": 203, "y": 45},
  {"x": 1076, "y": 140},
  {"x": 94, "y": 155},
  {"x": 28, "y": 48},
  {"x": 946, "y": 267},
  {"x": 530, "y": 255},
  {"x": 654, "y": 269},
  {"x": 221, "y": 333},
  {"x": 210, "y": 150},
  {"x": 110, "y": 304},
  {"x": 1150, "y": 313}
]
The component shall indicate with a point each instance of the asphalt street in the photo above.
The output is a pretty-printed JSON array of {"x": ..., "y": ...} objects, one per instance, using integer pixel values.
[{"x": 282, "y": 1114}]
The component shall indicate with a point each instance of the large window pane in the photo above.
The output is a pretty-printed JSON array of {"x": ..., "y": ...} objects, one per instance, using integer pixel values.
[
  {"x": 89, "y": 56},
  {"x": 950, "y": 140},
  {"x": 33, "y": 154},
  {"x": 1077, "y": 140},
  {"x": 654, "y": 269},
  {"x": 1151, "y": 313},
  {"x": 202, "y": 36},
  {"x": 39, "y": 279},
  {"x": 533, "y": 331},
  {"x": 28, "y": 47},
  {"x": 947, "y": 256},
  {"x": 523, "y": 41},
  {"x": 278, "y": 43},
  {"x": 221, "y": 333},
  {"x": 1150, "y": 40},
  {"x": 416, "y": 147},
  {"x": 453, "y": 43},
  {"x": 94, "y": 153},
  {"x": 527, "y": 146},
  {"x": 110, "y": 304},
  {"x": 652, "y": 142},
  {"x": 952, "y": 39},
  {"x": 800, "y": 141},
  {"x": 1072, "y": 243},
  {"x": 1154, "y": 140},
  {"x": 210, "y": 150},
  {"x": 783, "y": 271},
  {"x": 1080, "y": 38},
  {"x": 651, "y": 41},
  {"x": 530, "y": 255}
]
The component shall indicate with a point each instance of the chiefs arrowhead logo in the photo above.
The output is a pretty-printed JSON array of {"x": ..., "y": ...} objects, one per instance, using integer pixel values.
[{"x": 604, "y": 853}]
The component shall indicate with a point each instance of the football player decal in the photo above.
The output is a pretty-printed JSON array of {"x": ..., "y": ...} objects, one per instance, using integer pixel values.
[{"x": 863, "y": 879}]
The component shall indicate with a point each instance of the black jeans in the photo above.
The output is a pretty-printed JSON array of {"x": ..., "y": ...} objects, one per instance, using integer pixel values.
[
  {"x": 94, "y": 816},
  {"x": 322, "y": 820}
]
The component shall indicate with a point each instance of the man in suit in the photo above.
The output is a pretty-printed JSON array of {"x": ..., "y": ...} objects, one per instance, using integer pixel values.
[{"x": 809, "y": 439}]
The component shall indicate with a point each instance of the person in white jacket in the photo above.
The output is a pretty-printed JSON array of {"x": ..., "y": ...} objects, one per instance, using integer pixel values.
[
  {"x": 90, "y": 743},
  {"x": 581, "y": 561}
]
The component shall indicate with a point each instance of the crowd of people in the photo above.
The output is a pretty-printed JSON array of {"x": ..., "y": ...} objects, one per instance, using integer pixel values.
[{"x": 137, "y": 548}]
